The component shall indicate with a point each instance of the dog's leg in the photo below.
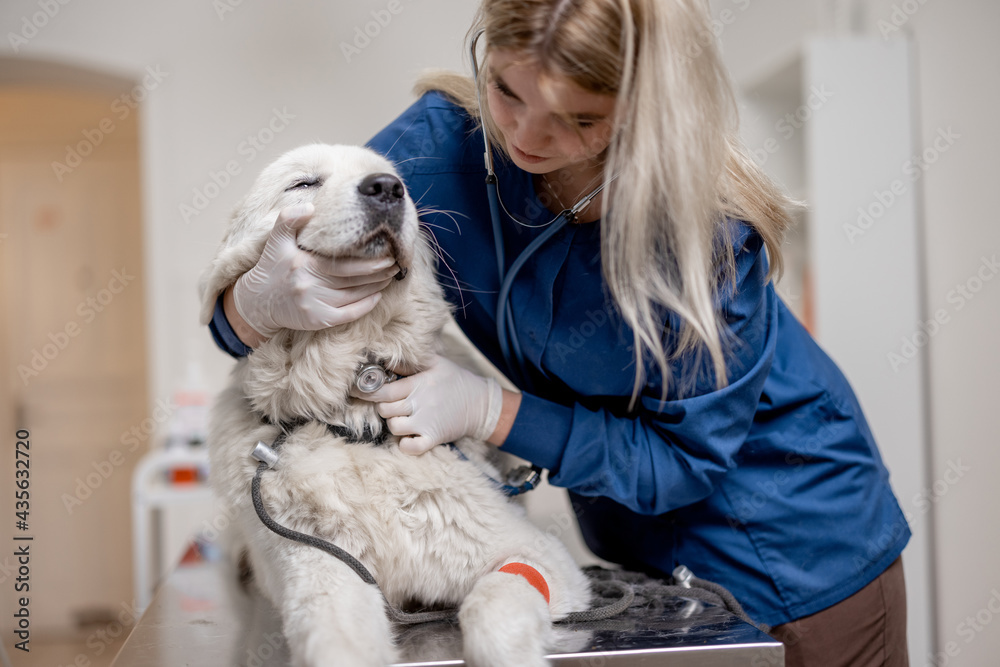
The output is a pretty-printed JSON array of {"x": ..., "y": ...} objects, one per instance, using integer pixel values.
[
  {"x": 330, "y": 616},
  {"x": 505, "y": 621}
]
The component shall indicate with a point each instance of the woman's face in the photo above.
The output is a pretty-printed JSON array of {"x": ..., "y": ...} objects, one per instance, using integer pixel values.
[{"x": 534, "y": 125}]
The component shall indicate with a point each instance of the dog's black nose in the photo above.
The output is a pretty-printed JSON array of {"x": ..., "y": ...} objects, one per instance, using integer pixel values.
[{"x": 384, "y": 188}]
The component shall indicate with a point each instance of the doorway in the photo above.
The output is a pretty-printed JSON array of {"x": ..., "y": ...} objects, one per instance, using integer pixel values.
[{"x": 73, "y": 337}]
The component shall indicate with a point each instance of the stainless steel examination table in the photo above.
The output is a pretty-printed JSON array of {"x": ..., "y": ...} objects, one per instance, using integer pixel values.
[{"x": 198, "y": 617}]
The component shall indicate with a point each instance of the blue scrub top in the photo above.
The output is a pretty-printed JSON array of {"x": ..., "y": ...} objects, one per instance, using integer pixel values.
[{"x": 772, "y": 486}]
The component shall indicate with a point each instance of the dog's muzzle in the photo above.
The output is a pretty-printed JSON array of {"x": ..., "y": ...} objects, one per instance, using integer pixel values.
[{"x": 383, "y": 198}]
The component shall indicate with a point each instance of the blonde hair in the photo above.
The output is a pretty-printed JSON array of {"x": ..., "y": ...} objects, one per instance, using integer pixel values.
[{"x": 681, "y": 168}]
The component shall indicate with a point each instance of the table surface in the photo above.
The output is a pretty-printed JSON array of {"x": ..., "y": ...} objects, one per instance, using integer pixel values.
[{"x": 199, "y": 616}]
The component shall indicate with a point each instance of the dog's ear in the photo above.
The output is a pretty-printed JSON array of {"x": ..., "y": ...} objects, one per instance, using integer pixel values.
[
  {"x": 240, "y": 249},
  {"x": 228, "y": 266}
]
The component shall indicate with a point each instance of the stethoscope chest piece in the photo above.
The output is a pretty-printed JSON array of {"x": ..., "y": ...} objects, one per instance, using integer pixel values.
[{"x": 371, "y": 377}]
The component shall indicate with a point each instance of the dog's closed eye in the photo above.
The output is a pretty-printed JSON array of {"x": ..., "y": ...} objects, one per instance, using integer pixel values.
[{"x": 304, "y": 183}]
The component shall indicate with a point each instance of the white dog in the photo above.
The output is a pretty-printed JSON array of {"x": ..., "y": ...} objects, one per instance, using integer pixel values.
[{"x": 434, "y": 530}]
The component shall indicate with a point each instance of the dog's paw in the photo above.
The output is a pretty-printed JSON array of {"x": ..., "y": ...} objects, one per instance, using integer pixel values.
[
  {"x": 328, "y": 647},
  {"x": 340, "y": 620},
  {"x": 505, "y": 621}
]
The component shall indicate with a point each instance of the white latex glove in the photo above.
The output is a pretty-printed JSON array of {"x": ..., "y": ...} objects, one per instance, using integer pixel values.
[
  {"x": 440, "y": 404},
  {"x": 291, "y": 288}
]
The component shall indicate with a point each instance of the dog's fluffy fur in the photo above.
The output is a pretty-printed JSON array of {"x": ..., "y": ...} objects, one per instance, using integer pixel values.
[{"x": 432, "y": 529}]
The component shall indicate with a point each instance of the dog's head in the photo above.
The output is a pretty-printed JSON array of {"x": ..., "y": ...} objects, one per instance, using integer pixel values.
[{"x": 362, "y": 210}]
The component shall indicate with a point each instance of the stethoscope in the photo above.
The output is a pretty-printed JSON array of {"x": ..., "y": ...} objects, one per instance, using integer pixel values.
[{"x": 510, "y": 348}]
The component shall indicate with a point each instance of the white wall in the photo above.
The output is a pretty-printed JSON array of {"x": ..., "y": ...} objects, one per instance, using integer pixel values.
[{"x": 958, "y": 87}]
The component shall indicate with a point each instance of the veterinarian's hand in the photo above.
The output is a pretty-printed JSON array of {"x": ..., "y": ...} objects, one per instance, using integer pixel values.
[
  {"x": 440, "y": 404},
  {"x": 291, "y": 288}
]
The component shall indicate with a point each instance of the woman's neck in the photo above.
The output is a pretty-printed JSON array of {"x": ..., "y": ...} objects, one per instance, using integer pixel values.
[{"x": 562, "y": 189}]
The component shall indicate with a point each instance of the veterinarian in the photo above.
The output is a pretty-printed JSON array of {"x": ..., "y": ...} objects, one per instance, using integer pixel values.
[{"x": 663, "y": 382}]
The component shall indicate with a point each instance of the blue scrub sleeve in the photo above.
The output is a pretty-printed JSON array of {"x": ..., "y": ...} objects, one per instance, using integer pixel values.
[
  {"x": 223, "y": 334},
  {"x": 671, "y": 453}
]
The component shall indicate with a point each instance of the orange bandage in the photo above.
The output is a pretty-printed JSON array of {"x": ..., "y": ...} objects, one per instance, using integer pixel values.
[{"x": 533, "y": 576}]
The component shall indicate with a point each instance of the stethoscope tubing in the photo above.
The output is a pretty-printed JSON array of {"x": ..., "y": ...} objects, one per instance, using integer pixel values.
[
  {"x": 504, "y": 318},
  {"x": 510, "y": 346},
  {"x": 507, "y": 339}
]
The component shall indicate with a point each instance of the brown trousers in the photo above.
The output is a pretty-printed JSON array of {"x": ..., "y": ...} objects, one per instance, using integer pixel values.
[{"x": 866, "y": 629}]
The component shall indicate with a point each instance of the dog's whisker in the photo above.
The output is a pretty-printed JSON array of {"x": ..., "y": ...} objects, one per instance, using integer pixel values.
[
  {"x": 445, "y": 254},
  {"x": 416, "y": 203},
  {"x": 418, "y": 157},
  {"x": 438, "y": 251},
  {"x": 469, "y": 289},
  {"x": 431, "y": 224},
  {"x": 460, "y": 285},
  {"x": 401, "y": 134},
  {"x": 447, "y": 213}
]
